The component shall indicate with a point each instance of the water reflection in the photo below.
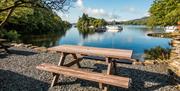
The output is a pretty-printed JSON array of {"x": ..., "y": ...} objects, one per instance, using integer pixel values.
[
  {"x": 43, "y": 40},
  {"x": 87, "y": 32},
  {"x": 132, "y": 37}
]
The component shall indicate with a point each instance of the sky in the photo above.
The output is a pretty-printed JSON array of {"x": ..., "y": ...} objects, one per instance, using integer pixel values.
[{"x": 119, "y": 10}]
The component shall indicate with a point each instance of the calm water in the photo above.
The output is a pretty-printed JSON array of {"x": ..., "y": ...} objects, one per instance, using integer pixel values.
[{"x": 132, "y": 37}]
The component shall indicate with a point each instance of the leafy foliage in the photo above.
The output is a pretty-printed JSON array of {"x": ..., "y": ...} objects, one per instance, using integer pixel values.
[
  {"x": 32, "y": 20},
  {"x": 11, "y": 35},
  {"x": 85, "y": 22},
  {"x": 158, "y": 53},
  {"x": 164, "y": 12}
]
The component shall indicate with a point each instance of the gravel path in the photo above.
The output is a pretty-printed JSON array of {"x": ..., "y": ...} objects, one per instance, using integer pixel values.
[{"x": 18, "y": 73}]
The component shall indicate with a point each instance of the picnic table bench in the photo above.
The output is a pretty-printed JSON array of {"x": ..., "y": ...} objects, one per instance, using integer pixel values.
[
  {"x": 108, "y": 54},
  {"x": 2, "y": 46}
]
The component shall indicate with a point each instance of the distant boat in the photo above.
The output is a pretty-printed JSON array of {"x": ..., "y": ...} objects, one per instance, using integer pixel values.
[
  {"x": 114, "y": 28},
  {"x": 169, "y": 29},
  {"x": 101, "y": 29}
]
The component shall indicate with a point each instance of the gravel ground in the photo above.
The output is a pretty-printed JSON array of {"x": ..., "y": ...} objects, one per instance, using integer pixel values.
[{"x": 18, "y": 73}]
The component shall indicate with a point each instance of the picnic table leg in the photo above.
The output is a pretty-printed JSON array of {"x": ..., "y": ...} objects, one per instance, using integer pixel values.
[
  {"x": 75, "y": 57},
  {"x": 115, "y": 67},
  {"x": 56, "y": 76},
  {"x": 109, "y": 70}
]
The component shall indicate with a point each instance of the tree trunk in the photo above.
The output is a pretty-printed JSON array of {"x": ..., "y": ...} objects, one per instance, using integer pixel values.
[{"x": 7, "y": 17}]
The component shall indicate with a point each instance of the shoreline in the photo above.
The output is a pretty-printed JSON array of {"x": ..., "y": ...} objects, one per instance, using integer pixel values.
[
  {"x": 164, "y": 35},
  {"x": 18, "y": 72}
]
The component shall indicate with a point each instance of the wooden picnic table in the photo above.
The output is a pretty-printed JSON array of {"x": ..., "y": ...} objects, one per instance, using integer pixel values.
[
  {"x": 2, "y": 46},
  {"x": 107, "y": 53}
]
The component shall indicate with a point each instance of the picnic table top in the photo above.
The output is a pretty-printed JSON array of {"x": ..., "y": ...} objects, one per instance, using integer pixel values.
[{"x": 94, "y": 51}]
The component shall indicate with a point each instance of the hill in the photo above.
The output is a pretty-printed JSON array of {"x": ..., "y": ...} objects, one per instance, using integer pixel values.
[{"x": 141, "y": 21}]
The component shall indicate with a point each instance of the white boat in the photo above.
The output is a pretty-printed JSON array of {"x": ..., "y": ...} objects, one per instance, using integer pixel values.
[
  {"x": 114, "y": 28},
  {"x": 169, "y": 29}
]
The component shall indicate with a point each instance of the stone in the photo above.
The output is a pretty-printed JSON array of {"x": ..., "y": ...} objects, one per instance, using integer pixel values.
[
  {"x": 41, "y": 49},
  {"x": 29, "y": 45},
  {"x": 148, "y": 62},
  {"x": 19, "y": 45},
  {"x": 175, "y": 42},
  {"x": 174, "y": 45},
  {"x": 178, "y": 86},
  {"x": 33, "y": 47},
  {"x": 137, "y": 63},
  {"x": 175, "y": 66},
  {"x": 13, "y": 44}
]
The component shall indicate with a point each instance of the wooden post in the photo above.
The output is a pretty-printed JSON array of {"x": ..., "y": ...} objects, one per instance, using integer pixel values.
[
  {"x": 61, "y": 62},
  {"x": 115, "y": 67},
  {"x": 75, "y": 57},
  {"x": 109, "y": 71}
]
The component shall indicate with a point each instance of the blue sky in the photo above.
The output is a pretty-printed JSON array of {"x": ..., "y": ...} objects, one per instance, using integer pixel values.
[{"x": 120, "y": 10}]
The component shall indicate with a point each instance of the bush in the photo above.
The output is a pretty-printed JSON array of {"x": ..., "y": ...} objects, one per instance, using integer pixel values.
[
  {"x": 11, "y": 35},
  {"x": 157, "y": 53}
]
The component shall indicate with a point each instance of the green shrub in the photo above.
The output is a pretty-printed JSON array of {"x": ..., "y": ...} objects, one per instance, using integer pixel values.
[
  {"x": 157, "y": 53},
  {"x": 11, "y": 35}
]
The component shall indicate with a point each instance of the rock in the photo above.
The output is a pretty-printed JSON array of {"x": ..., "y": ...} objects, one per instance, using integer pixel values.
[
  {"x": 137, "y": 63},
  {"x": 13, "y": 44},
  {"x": 19, "y": 45},
  {"x": 173, "y": 54},
  {"x": 148, "y": 62},
  {"x": 27, "y": 45},
  {"x": 175, "y": 42},
  {"x": 174, "y": 45},
  {"x": 174, "y": 66},
  {"x": 178, "y": 86},
  {"x": 41, "y": 49},
  {"x": 33, "y": 47}
]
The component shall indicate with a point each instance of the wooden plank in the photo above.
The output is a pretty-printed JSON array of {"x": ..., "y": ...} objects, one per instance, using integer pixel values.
[
  {"x": 91, "y": 76},
  {"x": 93, "y": 51}
]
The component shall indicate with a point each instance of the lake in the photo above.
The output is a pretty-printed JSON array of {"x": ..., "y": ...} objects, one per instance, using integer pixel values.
[{"x": 132, "y": 37}]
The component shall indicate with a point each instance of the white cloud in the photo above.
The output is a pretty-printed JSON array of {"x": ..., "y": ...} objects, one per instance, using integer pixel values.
[
  {"x": 94, "y": 11},
  {"x": 80, "y": 3},
  {"x": 147, "y": 14},
  {"x": 97, "y": 12}
]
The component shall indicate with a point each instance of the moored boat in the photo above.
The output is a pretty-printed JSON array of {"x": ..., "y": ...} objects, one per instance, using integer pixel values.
[
  {"x": 114, "y": 28},
  {"x": 169, "y": 29}
]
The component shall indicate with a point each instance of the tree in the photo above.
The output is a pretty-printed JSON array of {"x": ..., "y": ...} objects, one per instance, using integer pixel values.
[
  {"x": 85, "y": 21},
  {"x": 10, "y": 6},
  {"x": 164, "y": 12}
]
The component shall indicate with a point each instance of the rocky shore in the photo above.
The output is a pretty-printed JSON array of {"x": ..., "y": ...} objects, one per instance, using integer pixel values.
[
  {"x": 174, "y": 61},
  {"x": 174, "y": 64},
  {"x": 164, "y": 35},
  {"x": 18, "y": 73}
]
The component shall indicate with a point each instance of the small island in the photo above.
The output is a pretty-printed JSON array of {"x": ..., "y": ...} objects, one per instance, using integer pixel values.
[{"x": 88, "y": 24}]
